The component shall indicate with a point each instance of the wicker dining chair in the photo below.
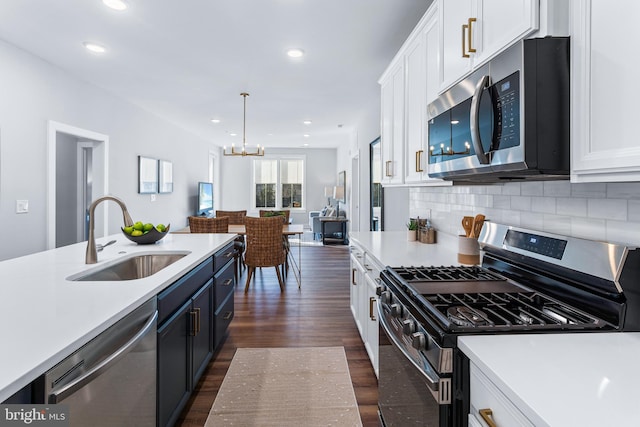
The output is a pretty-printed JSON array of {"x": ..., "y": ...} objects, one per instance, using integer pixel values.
[
  {"x": 198, "y": 224},
  {"x": 285, "y": 214},
  {"x": 236, "y": 217},
  {"x": 264, "y": 246}
]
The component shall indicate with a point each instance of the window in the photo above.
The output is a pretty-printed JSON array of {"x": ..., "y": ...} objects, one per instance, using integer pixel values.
[
  {"x": 279, "y": 183},
  {"x": 291, "y": 183},
  {"x": 266, "y": 179}
]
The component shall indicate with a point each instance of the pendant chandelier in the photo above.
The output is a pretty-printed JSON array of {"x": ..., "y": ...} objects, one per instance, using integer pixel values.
[{"x": 244, "y": 152}]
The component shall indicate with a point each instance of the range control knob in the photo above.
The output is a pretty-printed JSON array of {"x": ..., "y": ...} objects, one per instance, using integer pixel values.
[
  {"x": 385, "y": 297},
  {"x": 418, "y": 341},
  {"x": 408, "y": 326},
  {"x": 396, "y": 310},
  {"x": 380, "y": 289}
]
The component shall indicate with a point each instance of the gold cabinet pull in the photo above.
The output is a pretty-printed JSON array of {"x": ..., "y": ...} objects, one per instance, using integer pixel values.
[
  {"x": 227, "y": 282},
  {"x": 387, "y": 168},
  {"x": 228, "y": 315},
  {"x": 372, "y": 301},
  {"x": 419, "y": 161},
  {"x": 197, "y": 320},
  {"x": 192, "y": 315},
  {"x": 487, "y": 416},
  {"x": 464, "y": 38},
  {"x": 470, "y": 34},
  {"x": 353, "y": 276}
]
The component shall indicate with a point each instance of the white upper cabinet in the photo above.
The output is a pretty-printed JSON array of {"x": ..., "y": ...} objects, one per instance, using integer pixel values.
[
  {"x": 473, "y": 31},
  {"x": 604, "y": 92},
  {"x": 392, "y": 124},
  {"x": 409, "y": 83},
  {"x": 421, "y": 63}
]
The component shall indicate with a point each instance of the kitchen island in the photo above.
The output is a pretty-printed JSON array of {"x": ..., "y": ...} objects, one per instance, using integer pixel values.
[{"x": 44, "y": 317}]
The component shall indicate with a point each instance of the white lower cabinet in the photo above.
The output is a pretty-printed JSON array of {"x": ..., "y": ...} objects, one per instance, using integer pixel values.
[
  {"x": 357, "y": 287},
  {"x": 363, "y": 284},
  {"x": 371, "y": 329},
  {"x": 488, "y": 401}
]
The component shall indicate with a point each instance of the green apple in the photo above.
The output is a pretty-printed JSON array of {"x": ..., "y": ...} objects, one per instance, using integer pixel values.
[
  {"x": 136, "y": 233},
  {"x": 161, "y": 228},
  {"x": 128, "y": 229},
  {"x": 138, "y": 226},
  {"x": 147, "y": 227}
]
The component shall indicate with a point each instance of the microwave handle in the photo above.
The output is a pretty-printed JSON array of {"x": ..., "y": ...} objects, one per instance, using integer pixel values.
[{"x": 483, "y": 158}]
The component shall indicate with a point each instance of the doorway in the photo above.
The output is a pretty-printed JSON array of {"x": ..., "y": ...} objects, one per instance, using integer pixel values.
[{"x": 77, "y": 161}]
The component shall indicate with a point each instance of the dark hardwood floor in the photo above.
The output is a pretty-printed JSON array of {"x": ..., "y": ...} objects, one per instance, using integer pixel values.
[{"x": 317, "y": 315}]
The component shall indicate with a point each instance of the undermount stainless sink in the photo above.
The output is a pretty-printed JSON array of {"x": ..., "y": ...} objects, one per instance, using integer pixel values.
[{"x": 133, "y": 267}]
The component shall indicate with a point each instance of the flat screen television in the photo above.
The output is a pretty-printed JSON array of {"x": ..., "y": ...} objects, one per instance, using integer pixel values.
[{"x": 205, "y": 199}]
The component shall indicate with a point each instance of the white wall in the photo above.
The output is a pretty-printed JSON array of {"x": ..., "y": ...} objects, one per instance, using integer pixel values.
[
  {"x": 368, "y": 129},
  {"x": 608, "y": 212},
  {"x": 33, "y": 92},
  {"x": 237, "y": 172}
]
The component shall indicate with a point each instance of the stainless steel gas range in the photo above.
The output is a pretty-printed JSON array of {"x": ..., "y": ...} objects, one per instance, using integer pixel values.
[{"x": 529, "y": 282}]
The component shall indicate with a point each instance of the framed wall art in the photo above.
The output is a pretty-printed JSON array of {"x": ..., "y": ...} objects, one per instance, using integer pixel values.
[
  {"x": 342, "y": 182},
  {"x": 165, "y": 176},
  {"x": 147, "y": 175}
]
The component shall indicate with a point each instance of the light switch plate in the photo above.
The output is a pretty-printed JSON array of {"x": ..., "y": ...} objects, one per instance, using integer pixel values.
[
  {"x": 22, "y": 206},
  {"x": 153, "y": 197}
]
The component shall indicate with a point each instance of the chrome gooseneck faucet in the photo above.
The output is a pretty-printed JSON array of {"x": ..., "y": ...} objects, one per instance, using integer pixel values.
[{"x": 92, "y": 254}]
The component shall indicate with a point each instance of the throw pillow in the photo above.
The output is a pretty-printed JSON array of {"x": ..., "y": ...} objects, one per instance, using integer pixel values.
[
  {"x": 331, "y": 212},
  {"x": 323, "y": 212}
]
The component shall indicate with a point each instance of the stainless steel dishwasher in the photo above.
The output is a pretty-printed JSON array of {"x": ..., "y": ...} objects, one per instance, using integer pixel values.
[{"x": 111, "y": 380}]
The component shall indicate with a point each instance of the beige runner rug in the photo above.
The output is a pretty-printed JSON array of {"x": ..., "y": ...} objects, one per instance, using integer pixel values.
[{"x": 306, "y": 387}]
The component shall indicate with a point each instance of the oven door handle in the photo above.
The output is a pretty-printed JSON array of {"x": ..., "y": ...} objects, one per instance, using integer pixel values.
[
  {"x": 433, "y": 380},
  {"x": 474, "y": 123}
]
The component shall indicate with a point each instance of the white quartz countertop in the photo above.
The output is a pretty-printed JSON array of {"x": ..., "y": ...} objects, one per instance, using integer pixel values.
[
  {"x": 559, "y": 380},
  {"x": 44, "y": 317},
  {"x": 391, "y": 248}
]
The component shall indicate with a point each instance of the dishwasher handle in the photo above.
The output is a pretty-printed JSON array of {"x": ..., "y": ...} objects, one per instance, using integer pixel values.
[{"x": 103, "y": 366}]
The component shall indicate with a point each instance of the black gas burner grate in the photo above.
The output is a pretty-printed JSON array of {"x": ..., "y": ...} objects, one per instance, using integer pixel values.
[
  {"x": 445, "y": 274},
  {"x": 512, "y": 311}
]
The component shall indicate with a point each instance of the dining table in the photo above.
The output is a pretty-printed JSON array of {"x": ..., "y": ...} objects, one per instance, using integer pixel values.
[{"x": 287, "y": 230}]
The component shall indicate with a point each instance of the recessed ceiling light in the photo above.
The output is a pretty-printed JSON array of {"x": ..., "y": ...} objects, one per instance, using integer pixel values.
[
  {"x": 306, "y": 135},
  {"x": 215, "y": 120},
  {"x": 115, "y": 4},
  {"x": 95, "y": 48},
  {"x": 295, "y": 52},
  {"x": 305, "y": 145},
  {"x": 307, "y": 122},
  {"x": 233, "y": 134}
]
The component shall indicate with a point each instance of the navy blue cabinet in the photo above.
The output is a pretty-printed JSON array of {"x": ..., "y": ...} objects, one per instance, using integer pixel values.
[{"x": 193, "y": 314}]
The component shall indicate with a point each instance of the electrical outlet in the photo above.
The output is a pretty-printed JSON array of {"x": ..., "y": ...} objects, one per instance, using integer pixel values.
[
  {"x": 22, "y": 206},
  {"x": 153, "y": 197}
]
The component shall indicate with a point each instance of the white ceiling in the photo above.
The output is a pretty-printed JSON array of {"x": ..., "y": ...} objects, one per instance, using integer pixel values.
[{"x": 188, "y": 60}]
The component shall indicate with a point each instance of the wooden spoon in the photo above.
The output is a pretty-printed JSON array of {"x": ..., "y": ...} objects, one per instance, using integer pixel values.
[
  {"x": 467, "y": 224},
  {"x": 478, "y": 221}
]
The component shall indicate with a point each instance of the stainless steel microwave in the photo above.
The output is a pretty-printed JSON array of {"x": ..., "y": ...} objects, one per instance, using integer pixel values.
[{"x": 508, "y": 120}]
